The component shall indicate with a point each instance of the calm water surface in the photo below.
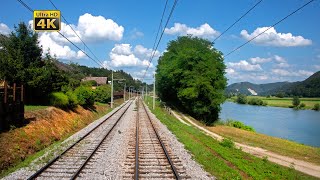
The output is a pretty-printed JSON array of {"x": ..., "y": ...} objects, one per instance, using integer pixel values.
[{"x": 302, "y": 126}]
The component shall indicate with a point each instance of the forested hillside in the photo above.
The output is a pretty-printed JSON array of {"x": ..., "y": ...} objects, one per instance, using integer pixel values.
[{"x": 307, "y": 88}]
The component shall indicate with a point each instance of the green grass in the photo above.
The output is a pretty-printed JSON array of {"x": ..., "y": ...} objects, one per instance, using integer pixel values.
[
  {"x": 33, "y": 107},
  {"x": 283, "y": 102},
  {"x": 220, "y": 160},
  {"x": 29, "y": 159}
]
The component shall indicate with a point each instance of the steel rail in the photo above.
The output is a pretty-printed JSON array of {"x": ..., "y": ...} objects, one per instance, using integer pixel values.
[
  {"x": 97, "y": 147},
  {"x": 136, "y": 170},
  {"x": 36, "y": 174},
  {"x": 174, "y": 169}
]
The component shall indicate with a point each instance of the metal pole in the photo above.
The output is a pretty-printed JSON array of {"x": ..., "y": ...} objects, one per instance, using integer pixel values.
[
  {"x": 111, "y": 89},
  {"x": 124, "y": 93},
  {"x": 146, "y": 91},
  {"x": 154, "y": 91}
]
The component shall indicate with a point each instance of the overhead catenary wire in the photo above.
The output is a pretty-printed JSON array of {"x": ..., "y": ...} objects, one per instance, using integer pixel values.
[
  {"x": 31, "y": 10},
  {"x": 237, "y": 20},
  {"x": 76, "y": 33},
  {"x": 301, "y": 7},
  {"x": 155, "y": 49}
]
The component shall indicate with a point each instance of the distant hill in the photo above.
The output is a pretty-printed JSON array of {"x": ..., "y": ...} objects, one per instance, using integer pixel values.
[
  {"x": 307, "y": 88},
  {"x": 253, "y": 89}
]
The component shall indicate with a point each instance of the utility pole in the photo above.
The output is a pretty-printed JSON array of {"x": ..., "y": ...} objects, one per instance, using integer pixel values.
[
  {"x": 146, "y": 91},
  {"x": 154, "y": 91},
  {"x": 111, "y": 88},
  {"x": 124, "y": 92}
]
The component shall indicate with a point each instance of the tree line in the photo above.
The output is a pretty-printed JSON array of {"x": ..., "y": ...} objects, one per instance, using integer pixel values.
[{"x": 48, "y": 81}]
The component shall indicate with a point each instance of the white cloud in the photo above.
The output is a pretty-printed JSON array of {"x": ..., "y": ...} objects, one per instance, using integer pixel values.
[
  {"x": 63, "y": 52},
  {"x": 317, "y": 67},
  {"x": 204, "y": 30},
  {"x": 96, "y": 28},
  {"x": 244, "y": 66},
  {"x": 279, "y": 59},
  {"x": 273, "y": 38},
  {"x": 259, "y": 60},
  {"x": 123, "y": 56},
  {"x": 283, "y": 65},
  {"x": 4, "y": 29},
  {"x": 286, "y": 73}
]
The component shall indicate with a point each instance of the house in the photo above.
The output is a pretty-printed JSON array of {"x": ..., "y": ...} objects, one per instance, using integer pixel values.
[{"x": 99, "y": 80}]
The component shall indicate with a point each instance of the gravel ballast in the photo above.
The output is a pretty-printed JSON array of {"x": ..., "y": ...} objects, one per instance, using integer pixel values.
[{"x": 110, "y": 160}]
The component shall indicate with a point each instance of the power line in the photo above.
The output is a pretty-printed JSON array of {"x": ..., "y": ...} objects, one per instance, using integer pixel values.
[
  {"x": 30, "y": 9},
  {"x": 154, "y": 50},
  {"x": 76, "y": 33},
  {"x": 269, "y": 28},
  {"x": 164, "y": 10},
  {"x": 237, "y": 20}
]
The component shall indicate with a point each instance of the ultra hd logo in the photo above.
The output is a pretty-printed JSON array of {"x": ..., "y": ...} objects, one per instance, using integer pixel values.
[{"x": 46, "y": 20}]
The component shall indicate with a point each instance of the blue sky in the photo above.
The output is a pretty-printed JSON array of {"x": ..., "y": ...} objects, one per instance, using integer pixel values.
[{"x": 122, "y": 33}]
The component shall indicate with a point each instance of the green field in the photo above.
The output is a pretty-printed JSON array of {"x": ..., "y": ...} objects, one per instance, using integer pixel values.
[
  {"x": 284, "y": 102},
  {"x": 34, "y": 107},
  {"x": 221, "y": 159}
]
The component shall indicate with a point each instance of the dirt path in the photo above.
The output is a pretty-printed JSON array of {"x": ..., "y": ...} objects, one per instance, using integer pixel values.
[{"x": 302, "y": 166}]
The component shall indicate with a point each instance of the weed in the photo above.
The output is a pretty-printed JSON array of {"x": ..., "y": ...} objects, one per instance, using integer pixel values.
[{"x": 227, "y": 143}]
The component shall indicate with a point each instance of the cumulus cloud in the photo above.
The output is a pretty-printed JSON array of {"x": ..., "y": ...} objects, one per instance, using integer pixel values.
[
  {"x": 259, "y": 60},
  {"x": 287, "y": 73},
  {"x": 4, "y": 29},
  {"x": 123, "y": 55},
  {"x": 273, "y": 38},
  {"x": 243, "y": 65},
  {"x": 204, "y": 30},
  {"x": 60, "y": 51}
]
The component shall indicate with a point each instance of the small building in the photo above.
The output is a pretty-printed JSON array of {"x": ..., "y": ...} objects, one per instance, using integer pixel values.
[{"x": 100, "y": 80}]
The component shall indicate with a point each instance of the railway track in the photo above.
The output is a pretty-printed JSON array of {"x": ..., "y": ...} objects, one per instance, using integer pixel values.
[
  {"x": 149, "y": 157},
  {"x": 72, "y": 162}
]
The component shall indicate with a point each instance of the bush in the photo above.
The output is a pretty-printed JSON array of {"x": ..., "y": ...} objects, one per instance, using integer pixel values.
[
  {"x": 255, "y": 101},
  {"x": 295, "y": 101},
  {"x": 103, "y": 93},
  {"x": 316, "y": 107},
  {"x": 280, "y": 95},
  {"x": 89, "y": 83},
  {"x": 241, "y": 99},
  {"x": 227, "y": 143},
  {"x": 302, "y": 105},
  {"x": 73, "y": 100},
  {"x": 239, "y": 125},
  {"x": 59, "y": 99},
  {"x": 84, "y": 95}
]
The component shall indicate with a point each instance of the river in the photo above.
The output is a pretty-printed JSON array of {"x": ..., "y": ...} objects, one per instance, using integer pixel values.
[{"x": 302, "y": 126}]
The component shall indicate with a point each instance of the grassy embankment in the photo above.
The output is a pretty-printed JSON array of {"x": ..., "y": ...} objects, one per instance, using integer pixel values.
[
  {"x": 284, "y": 102},
  {"x": 48, "y": 129},
  {"x": 274, "y": 144},
  {"x": 221, "y": 160}
]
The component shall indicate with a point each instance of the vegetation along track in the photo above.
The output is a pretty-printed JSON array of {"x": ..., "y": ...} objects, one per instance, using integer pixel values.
[
  {"x": 149, "y": 156},
  {"x": 70, "y": 163}
]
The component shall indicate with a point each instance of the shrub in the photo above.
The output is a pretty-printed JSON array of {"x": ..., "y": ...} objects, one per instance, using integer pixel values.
[
  {"x": 302, "y": 105},
  {"x": 103, "y": 93},
  {"x": 59, "y": 99},
  {"x": 227, "y": 143},
  {"x": 73, "y": 100},
  {"x": 280, "y": 95},
  {"x": 265, "y": 103},
  {"x": 316, "y": 107},
  {"x": 268, "y": 96},
  {"x": 255, "y": 101},
  {"x": 89, "y": 83},
  {"x": 84, "y": 95},
  {"x": 295, "y": 101},
  {"x": 241, "y": 99},
  {"x": 239, "y": 125}
]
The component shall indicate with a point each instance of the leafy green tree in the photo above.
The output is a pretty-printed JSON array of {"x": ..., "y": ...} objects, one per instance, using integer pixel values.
[
  {"x": 241, "y": 99},
  {"x": 316, "y": 107},
  {"x": 192, "y": 74},
  {"x": 295, "y": 101},
  {"x": 103, "y": 93}
]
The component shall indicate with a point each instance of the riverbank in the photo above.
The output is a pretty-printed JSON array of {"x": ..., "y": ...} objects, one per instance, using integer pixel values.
[
  {"x": 47, "y": 127},
  {"x": 222, "y": 159},
  {"x": 282, "y": 102}
]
